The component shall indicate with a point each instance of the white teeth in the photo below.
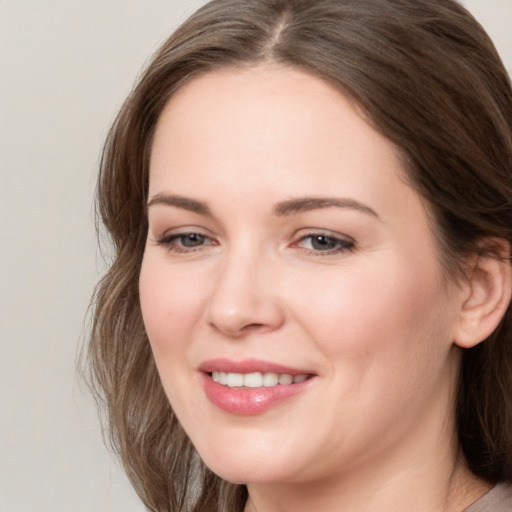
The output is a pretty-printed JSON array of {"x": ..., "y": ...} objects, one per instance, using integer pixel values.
[
  {"x": 285, "y": 379},
  {"x": 256, "y": 379},
  {"x": 235, "y": 380},
  {"x": 253, "y": 380},
  {"x": 270, "y": 379}
]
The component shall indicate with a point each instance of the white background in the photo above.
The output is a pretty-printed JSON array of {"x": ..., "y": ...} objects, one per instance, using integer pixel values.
[{"x": 65, "y": 68}]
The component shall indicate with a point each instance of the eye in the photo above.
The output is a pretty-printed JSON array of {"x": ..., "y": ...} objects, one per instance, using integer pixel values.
[
  {"x": 185, "y": 242},
  {"x": 325, "y": 244},
  {"x": 190, "y": 239}
]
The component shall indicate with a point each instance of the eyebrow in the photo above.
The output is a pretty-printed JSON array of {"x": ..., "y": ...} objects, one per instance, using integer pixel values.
[
  {"x": 282, "y": 209},
  {"x": 304, "y": 204},
  {"x": 185, "y": 203}
]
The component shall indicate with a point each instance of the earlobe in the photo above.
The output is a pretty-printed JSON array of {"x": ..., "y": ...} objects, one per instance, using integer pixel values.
[{"x": 489, "y": 291}]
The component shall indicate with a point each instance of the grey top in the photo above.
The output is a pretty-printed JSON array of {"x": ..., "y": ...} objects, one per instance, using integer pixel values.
[{"x": 498, "y": 499}]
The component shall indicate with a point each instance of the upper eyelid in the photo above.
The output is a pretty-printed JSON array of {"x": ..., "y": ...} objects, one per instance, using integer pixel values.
[
  {"x": 340, "y": 239},
  {"x": 182, "y": 230},
  {"x": 343, "y": 242},
  {"x": 175, "y": 236},
  {"x": 171, "y": 242},
  {"x": 297, "y": 236},
  {"x": 323, "y": 232},
  {"x": 309, "y": 232}
]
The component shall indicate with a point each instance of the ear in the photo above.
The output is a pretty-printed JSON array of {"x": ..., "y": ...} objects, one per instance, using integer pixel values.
[{"x": 487, "y": 293}]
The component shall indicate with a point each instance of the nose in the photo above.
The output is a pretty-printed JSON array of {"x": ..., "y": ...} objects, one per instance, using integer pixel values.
[{"x": 244, "y": 299}]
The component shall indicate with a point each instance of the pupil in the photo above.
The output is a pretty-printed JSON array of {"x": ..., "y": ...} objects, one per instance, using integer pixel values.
[
  {"x": 322, "y": 242},
  {"x": 192, "y": 240}
]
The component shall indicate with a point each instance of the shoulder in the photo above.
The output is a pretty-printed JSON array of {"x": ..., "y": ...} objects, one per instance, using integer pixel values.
[{"x": 498, "y": 499}]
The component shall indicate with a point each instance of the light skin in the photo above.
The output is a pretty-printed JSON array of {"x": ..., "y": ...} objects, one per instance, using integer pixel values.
[{"x": 281, "y": 229}]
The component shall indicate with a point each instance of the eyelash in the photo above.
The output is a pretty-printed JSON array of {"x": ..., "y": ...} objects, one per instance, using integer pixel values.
[
  {"x": 174, "y": 243},
  {"x": 169, "y": 241},
  {"x": 341, "y": 245}
]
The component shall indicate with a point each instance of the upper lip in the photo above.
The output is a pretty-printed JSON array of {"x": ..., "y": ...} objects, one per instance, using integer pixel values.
[{"x": 249, "y": 366}]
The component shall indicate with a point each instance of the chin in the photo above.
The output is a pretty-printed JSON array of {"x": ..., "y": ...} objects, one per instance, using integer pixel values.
[
  {"x": 242, "y": 467},
  {"x": 249, "y": 475}
]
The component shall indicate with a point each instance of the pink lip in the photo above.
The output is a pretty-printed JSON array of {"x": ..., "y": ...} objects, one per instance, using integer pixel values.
[
  {"x": 249, "y": 366},
  {"x": 249, "y": 401}
]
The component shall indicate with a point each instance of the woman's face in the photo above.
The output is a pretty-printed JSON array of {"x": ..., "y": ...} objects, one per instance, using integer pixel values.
[{"x": 291, "y": 286}]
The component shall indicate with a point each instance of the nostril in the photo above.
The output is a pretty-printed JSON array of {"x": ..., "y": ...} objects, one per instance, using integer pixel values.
[
  {"x": 253, "y": 327},
  {"x": 236, "y": 313}
]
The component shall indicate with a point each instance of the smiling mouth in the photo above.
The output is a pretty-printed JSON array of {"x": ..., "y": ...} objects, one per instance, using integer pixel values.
[
  {"x": 256, "y": 379},
  {"x": 252, "y": 386}
]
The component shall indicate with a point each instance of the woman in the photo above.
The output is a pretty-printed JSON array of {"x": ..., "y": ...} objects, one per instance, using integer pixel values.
[{"x": 309, "y": 304}]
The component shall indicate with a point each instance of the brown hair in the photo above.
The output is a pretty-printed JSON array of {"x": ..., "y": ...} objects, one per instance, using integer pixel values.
[{"x": 428, "y": 78}]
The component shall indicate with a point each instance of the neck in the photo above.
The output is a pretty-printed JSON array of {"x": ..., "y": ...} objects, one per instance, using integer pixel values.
[{"x": 400, "y": 492}]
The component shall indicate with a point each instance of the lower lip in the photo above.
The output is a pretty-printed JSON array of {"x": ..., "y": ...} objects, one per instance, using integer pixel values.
[{"x": 249, "y": 401}]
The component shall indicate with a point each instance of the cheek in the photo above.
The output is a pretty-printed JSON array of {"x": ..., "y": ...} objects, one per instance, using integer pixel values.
[
  {"x": 364, "y": 311},
  {"x": 386, "y": 338},
  {"x": 170, "y": 305},
  {"x": 171, "y": 309}
]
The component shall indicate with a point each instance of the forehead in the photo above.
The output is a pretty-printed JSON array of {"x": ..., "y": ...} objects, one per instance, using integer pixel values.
[{"x": 272, "y": 131}]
